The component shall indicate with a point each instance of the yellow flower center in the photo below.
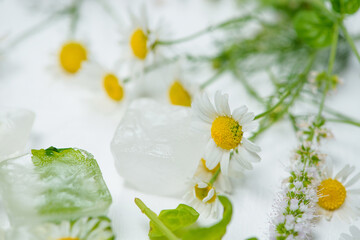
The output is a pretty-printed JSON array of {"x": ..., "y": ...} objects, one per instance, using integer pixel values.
[
  {"x": 69, "y": 238},
  {"x": 213, "y": 171},
  {"x": 178, "y": 95},
  {"x": 138, "y": 43},
  {"x": 71, "y": 56},
  {"x": 226, "y": 132},
  {"x": 331, "y": 194},
  {"x": 112, "y": 87},
  {"x": 202, "y": 193}
]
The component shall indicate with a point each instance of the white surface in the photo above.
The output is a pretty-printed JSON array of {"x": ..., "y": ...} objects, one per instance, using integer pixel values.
[{"x": 66, "y": 116}]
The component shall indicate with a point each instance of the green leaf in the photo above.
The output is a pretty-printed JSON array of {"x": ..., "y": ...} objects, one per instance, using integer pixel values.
[
  {"x": 215, "y": 232},
  {"x": 345, "y": 6},
  {"x": 175, "y": 220},
  {"x": 314, "y": 28},
  {"x": 182, "y": 222}
]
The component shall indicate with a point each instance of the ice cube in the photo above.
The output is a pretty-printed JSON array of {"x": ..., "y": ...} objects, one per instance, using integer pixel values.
[
  {"x": 52, "y": 185},
  {"x": 15, "y": 127},
  {"x": 87, "y": 228},
  {"x": 155, "y": 148}
]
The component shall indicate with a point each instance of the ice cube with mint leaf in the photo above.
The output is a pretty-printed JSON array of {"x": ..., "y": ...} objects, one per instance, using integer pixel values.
[{"x": 52, "y": 185}]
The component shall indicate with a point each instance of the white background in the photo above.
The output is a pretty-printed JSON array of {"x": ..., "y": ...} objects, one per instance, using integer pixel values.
[{"x": 67, "y": 117}]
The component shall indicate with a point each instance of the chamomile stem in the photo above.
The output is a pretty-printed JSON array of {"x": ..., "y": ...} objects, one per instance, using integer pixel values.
[
  {"x": 214, "y": 177},
  {"x": 350, "y": 41},
  {"x": 33, "y": 30},
  {"x": 301, "y": 81},
  {"x": 333, "y": 48},
  {"x": 204, "y": 31},
  {"x": 106, "y": 6},
  {"x": 344, "y": 121},
  {"x": 212, "y": 79},
  {"x": 153, "y": 217},
  {"x": 330, "y": 68},
  {"x": 247, "y": 86},
  {"x": 74, "y": 17}
]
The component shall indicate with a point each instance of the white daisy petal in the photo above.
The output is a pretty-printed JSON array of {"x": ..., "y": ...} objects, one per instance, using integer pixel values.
[
  {"x": 225, "y": 105},
  {"x": 207, "y": 105},
  {"x": 224, "y": 163},
  {"x": 247, "y": 118},
  {"x": 353, "y": 180},
  {"x": 250, "y": 145},
  {"x": 250, "y": 126},
  {"x": 239, "y": 112},
  {"x": 241, "y": 158},
  {"x": 250, "y": 156},
  {"x": 211, "y": 193},
  {"x": 213, "y": 154},
  {"x": 218, "y": 103}
]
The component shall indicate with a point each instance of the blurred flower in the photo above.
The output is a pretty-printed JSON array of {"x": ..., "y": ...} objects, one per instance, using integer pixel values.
[
  {"x": 180, "y": 90},
  {"x": 354, "y": 234},
  {"x": 335, "y": 195},
  {"x": 105, "y": 87},
  {"x": 225, "y": 131},
  {"x": 138, "y": 41},
  {"x": 203, "y": 197},
  {"x": 83, "y": 228},
  {"x": 71, "y": 56}
]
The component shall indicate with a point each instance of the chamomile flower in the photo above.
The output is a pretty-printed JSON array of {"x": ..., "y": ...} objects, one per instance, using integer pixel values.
[
  {"x": 70, "y": 57},
  {"x": 222, "y": 182},
  {"x": 181, "y": 91},
  {"x": 105, "y": 87},
  {"x": 83, "y": 228},
  {"x": 354, "y": 234},
  {"x": 336, "y": 195},
  {"x": 225, "y": 131},
  {"x": 203, "y": 197},
  {"x": 138, "y": 41}
]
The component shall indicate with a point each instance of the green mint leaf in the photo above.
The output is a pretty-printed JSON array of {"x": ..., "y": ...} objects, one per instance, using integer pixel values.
[
  {"x": 175, "y": 219},
  {"x": 182, "y": 222},
  {"x": 215, "y": 232},
  {"x": 314, "y": 28},
  {"x": 345, "y": 6},
  {"x": 72, "y": 182}
]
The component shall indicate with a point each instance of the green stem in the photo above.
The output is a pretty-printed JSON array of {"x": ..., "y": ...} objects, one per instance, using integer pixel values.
[
  {"x": 303, "y": 78},
  {"x": 350, "y": 41},
  {"x": 33, "y": 30},
  {"x": 74, "y": 14},
  {"x": 330, "y": 68},
  {"x": 153, "y": 217},
  {"x": 247, "y": 86},
  {"x": 275, "y": 106},
  {"x": 106, "y": 6},
  {"x": 204, "y": 31},
  {"x": 343, "y": 121},
  {"x": 333, "y": 49},
  {"x": 214, "y": 177},
  {"x": 212, "y": 79}
]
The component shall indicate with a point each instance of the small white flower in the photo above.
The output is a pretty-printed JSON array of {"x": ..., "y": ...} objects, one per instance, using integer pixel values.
[
  {"x": 225, "y": 131},
  {"x": 222, "y": 182},
  {"x": 336, "y": 195},
  {"x": 83, "y": 228},
  {"x": 106, "y": 89},
  {"x": 203, "y": 197},
  {"x": 71, "y": 56},
  {"x": 138, "y": 41}
]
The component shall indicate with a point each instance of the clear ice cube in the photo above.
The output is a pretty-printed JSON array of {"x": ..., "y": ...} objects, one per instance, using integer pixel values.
[
  {"x": 52, "y": 185},
  {"x": 156, "y": 149},
  {"x": 15, "y": 127}
]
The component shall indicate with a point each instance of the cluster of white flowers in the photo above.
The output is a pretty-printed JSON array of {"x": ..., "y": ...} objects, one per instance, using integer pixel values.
[{"x": 296, "y": 206}]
